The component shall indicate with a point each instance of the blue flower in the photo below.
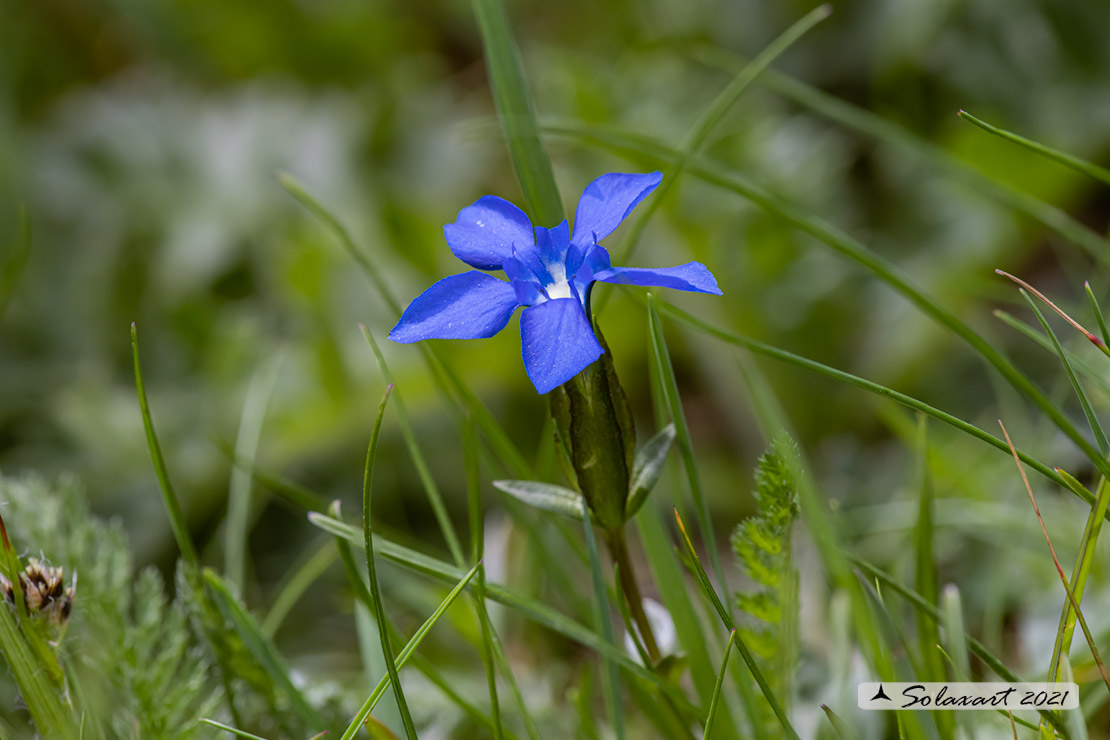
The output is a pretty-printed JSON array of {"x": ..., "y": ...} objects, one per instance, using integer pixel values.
[{"x": 550, "y": 274}]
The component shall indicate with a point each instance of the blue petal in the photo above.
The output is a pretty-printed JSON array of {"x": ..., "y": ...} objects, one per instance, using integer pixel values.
[
  {"x": 606, "y": 201},
  {"x": 523, "y": 281},
  {"x": 553, "y": 244},
  {"x": 484, "y": 233},
  {"x": 472, "y": 305},
  {"x": 692, "y": 276},
  {"x": 557, "y": 342}
]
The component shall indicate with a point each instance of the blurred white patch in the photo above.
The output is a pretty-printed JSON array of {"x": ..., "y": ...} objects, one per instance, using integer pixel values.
[{"x": 661, "y": 625}]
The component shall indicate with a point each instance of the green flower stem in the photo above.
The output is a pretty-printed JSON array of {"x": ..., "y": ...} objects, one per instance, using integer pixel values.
[{"x": 618, "y": 549}]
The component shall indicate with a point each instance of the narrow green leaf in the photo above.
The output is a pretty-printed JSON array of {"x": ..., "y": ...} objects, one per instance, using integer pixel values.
[
  {"x": 646, "y": 469},
  {"x": 477, "y": 552},
  {"x": 726, "y": 619},
  {"x": 682, "y": 433},
  {"x": 859, "y": 119},
  {"x": 406, "y": 652},
  {"x": 534, "y": 610},
  {"x": 259, "y": 646},
  {"x": 435, "y": 498},
  {"x": 1092, "y": 420},
  {"x": 1098, "y": 314},
  {"x": 232, "y": 730},
  {"x": 237, "y": 525},
  {"x": 853, "y": 250},
  {"x": 1068, "y": 160},
  {"x": 717, "y": 689},
  {"x": 767, "y": 350},
  {"x": 169, "y": 497},
  {"x": 697, "y": 136},
  {"x": 1074, "y": 485},
  {"x": 842, "y": 730},
  {"x": 1085, "y": 368},
  {"x": 375, "y": 588},
  {"x": 611, "y": 684},
  {"x": 517, "y": 114},
  {"x": 544, "y": 496},
  {"x": 51, "y": 716}
]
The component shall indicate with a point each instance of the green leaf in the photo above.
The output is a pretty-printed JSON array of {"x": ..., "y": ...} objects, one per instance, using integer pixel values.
[
  {"x": 169, "y": 497},
  {"x": 259, "y": 646},
  {"x": 1068, "y": 160},
  {"x": 517, "y": 114},
  {"x": 717, "y": 689},
  {"x": 842, "y": 730},
  {"x": 531, "y": 608},
  {"x": 545, "y": 496},
  {"x": 232, "y": 730},
  {"x": 375, "y": 589},
  {"x": 405, "y": 653},
  {"x": 647, "y": 468}
]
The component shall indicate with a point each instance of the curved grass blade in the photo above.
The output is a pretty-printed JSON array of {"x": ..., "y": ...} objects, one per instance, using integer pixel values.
[
  {"x": 611, "y": 685},
  {"x": 853, "y": 250},
  {"x": 709, "y": 119},
  {"x": 757, "y": 347},
  {"x": 717, "y": 689},
  {"x": 517, "y": 114},
  {"x": 1092, "y": 420},
  {"x": 169, "y": 497},
  {"x": 1082, "y": 366},
  {"x": 864, "y": 121},
  {"x": 477, "y": 551},
  {"x": 259, "y": 646},
  {"x": 1060, "y": 571},
  {"x": 682, "y": 434},
  {"x": 535, "y": 610},
  {"x": 726, "y": 619},
  {"x": 406, "y": 652},
  {"x": 1079, "y": 165},
  {"x": 237, "y": 526},
  {"x": 1097, "y": 310},
  {"x": 842, "y": 730},
  {"x": 375, "y": 588},
  {"x": 435, "y": 498},
  {"x": 226, "y": 728}
]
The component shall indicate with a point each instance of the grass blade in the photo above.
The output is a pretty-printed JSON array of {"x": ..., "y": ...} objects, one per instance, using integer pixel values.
[
  {"x": 853, "y": 250},
  {"x": 1086, "y": 369},
  {"x": 647, "y": 468},
  {"x": 682, "y": 434},
  {"x": 717, "y": 689},
  {"x": 760, "y": 348},
  {"x": 1097, "y": 310},
  {"x": 234, "y": 731},
  {"x": 709, "y": 119},
  {"x": 1092, "y": 420},
  {"x": 534, "y": 610},
  {"x": 375, "y": 588},
  {"x": 611, "y": 684},
  {"x": 726, "y": 619},
  {"x": 237, "y": 526},
  {"x": 435, "y": 499},
  {"x": 517, "y": 114},
  {"x": 259, "y": 646},
  {"x": 406, "y": 652},
  {"x": 477, "y": 551},
  {"x": 1079, "y": 165},
  {"x": 173, "y": 507}
]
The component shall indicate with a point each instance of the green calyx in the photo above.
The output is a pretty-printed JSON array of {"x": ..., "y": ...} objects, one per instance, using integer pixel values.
[{"x": 597, "y": 438}]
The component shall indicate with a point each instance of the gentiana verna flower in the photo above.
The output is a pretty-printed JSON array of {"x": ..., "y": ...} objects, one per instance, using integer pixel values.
[{"x": 550, "y": 273}]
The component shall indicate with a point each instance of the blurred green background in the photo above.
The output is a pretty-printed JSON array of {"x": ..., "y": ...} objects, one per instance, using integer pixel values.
[{"x": 144, "y": 139}]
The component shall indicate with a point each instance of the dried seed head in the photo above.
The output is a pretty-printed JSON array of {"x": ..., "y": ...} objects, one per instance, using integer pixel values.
[{"x": 44, "y": 591}]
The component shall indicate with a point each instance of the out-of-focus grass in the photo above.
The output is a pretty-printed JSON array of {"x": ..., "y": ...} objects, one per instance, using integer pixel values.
[{"x": 144, "y": 139}]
